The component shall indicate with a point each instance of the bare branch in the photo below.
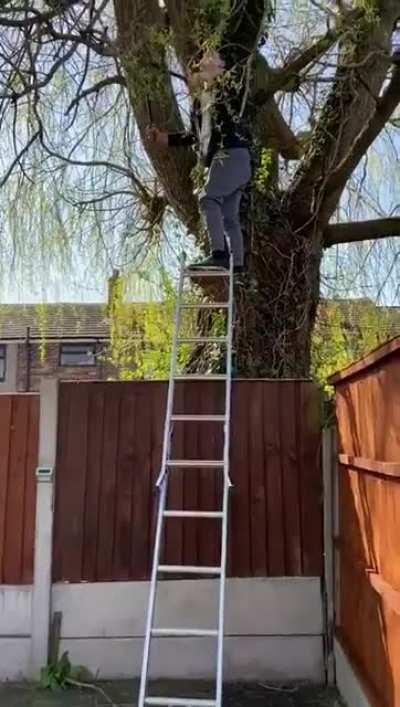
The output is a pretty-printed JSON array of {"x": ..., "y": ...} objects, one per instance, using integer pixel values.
[
  {"x": 173, "y": 167},
  {"x": 18, "y": 158},
  {"x": 117, "y": 79},
  {"x": 36, "y": 85},
  {"x": 351, "y": 105},
  {"x": 288, "y": 76},
  {"x": 361, "y": 231},
  {"x": 384, "y": 110}
]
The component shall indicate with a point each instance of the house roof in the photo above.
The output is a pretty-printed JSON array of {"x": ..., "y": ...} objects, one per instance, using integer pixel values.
[
  {"x": 54, "y": 321},
  {"x": 90, "y": 321},
  {"x": 355, "y": 314}
]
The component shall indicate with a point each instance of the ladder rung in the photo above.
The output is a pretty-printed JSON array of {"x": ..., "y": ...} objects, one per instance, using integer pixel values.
[
  {"x": 183, "y": 633},
  {"x": 198, "y": 418},
  {"x": 179, "y": 702},
  {"x": 189, "y": 569},
  {"x": 218, "y": 272},
  {"x": 196, "y": 463},
  {"x": 202, "y": 377},
  {"x": 206, "y": 305},
  {"x": 202, "y": 340},
  {"x": 193, "y": 514}
]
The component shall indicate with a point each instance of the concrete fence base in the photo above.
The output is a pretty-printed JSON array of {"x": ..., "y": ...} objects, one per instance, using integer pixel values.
[
  {"x": 347, "y": 681},
  {"x": 15, "y": 631},
  {"x": 274, "y": 629}
]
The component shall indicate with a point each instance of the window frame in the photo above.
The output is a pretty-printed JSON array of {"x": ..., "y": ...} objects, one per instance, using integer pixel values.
[
  {"x": 76, "y": 344},
  {"x": 3, "y": 357}
]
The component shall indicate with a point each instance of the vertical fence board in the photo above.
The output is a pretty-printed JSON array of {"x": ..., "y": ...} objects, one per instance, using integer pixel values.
[
  {"x": 311, "y": 484},
  {"x": 29, "y": 510},
  {"x": 275, "y": 509},
  {"x": 75, "y": 488},
  {"x": 158, "y": 410},
  {"x": 93, "y": 481},
  {"x": 239, "y": 534},
  {"x": 257, "y": 482},
  {"x": 19, "y": 423},
  {"x": 16, "y": 490},
  {"x": 290, "y": 478},
  {"x": 131, "y": 424},
  {"x": 106, "y": 532},
  {"x": 5, "y": 432},
  {"x": 142, "y": 450}
]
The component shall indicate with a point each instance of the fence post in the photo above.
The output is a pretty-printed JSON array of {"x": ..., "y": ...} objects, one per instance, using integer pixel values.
[
  {"x": 41, "y": 591},
  {"x": 328, "y": 467}
]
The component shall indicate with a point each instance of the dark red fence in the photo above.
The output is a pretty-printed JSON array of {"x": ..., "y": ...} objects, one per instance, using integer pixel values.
[
  {"x": 19, "y": 423},
  {"x": 109, "y": 449}
]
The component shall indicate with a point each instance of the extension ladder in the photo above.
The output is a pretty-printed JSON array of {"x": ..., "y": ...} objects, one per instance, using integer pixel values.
[{"x": 168, "y": 465}]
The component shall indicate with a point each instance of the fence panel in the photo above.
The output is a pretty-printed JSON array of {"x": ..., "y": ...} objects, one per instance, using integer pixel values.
[
  {"x": 368, "y": 414},
  {"x": 109, "y": 450},
  {"x": 19, "y": 429}
]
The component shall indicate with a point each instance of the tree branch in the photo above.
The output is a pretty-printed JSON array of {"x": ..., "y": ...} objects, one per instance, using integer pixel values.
[
  {"x": 373, "y": 229},
  {"x": 283, "y": 79},
  {"x": 18, "y": 158},
  {"x": 348, "y": 123},
  {"x": 117, "y": 79},
  {"x": 36, "y": 85},
  {"x": 136, "y": 22},
  {"x": 385, "y": 108}
]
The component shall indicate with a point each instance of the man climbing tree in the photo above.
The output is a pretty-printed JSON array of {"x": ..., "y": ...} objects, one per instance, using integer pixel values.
[
  {"x": 217, "y": 128},
  {"x": 319, "y": 102}
]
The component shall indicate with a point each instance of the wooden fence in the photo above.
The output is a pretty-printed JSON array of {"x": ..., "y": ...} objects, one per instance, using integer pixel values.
[
  {"x": 368, "y": 614},
  {"x": 109, "y": 449},
  {"x": 19, "y": 423}
]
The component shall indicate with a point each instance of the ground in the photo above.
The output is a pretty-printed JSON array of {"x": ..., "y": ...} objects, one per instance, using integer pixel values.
[{"x": 122, "y": 694}]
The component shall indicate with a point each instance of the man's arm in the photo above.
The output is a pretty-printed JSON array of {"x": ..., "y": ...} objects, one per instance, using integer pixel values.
[
  {"x": 165, "y": 139},
  {"x": 181, "y": 139}
]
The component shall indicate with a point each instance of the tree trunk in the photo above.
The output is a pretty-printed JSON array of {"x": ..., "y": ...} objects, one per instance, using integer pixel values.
[{"x": 276, "y": 300}]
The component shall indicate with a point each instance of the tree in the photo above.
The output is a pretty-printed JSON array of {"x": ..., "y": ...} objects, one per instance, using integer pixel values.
[
  {"x": 346, "y": 330},
  {"x": 341, "y": 82}
]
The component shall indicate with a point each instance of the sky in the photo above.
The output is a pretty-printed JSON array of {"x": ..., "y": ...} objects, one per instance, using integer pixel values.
[{"x": 52, "y": 251}]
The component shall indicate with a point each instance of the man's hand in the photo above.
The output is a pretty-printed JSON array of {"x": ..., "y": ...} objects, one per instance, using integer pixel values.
[
  {"x": 209, "y": 68},
  {"x": 157, "y": 137}
]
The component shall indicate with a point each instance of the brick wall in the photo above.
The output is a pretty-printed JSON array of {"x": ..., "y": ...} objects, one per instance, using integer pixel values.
[{"x": 49, "y": 366}]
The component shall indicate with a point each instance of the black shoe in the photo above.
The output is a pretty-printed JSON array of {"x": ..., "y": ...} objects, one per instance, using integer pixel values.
[{"x": 214, "y": 261}]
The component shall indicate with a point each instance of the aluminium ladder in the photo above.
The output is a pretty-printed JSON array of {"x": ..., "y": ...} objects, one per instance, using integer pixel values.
[{"x": 167, "y": 466}]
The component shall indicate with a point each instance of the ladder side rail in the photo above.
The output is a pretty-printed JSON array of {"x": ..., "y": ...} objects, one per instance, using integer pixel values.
[{"x": 225, "y": 504}]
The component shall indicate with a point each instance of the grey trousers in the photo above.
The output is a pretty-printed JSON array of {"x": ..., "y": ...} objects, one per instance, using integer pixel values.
[{"x": 229, "y": 173}]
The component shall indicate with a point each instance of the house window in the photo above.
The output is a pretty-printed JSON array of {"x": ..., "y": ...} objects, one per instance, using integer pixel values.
[
  {"x": 78, "y": 354},
  {"x": 3, "y": 351}
]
